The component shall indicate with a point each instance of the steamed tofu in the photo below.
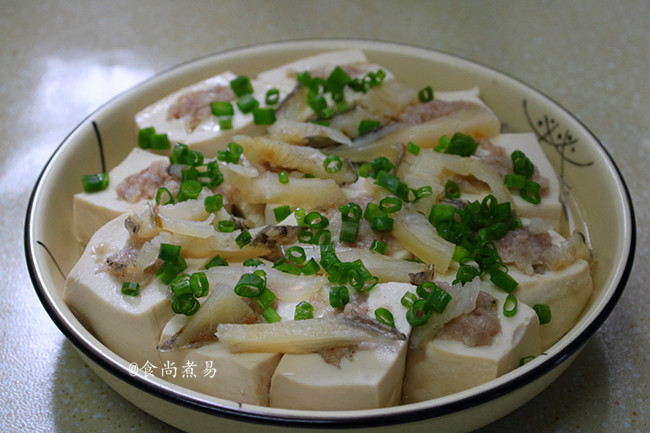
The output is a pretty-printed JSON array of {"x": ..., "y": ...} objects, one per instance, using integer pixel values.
[
  {"x": 203, "y": 133},
  {"x": 213, "y": 370},
  {"x": 369, "y": 376},
  {"x": 550, "y": 208},
  {"x": 130, "y": 326},
  {"x": 448, "y": 366},
  {"x": 566, "y": 292},
  {"x": 93, "y": 210}
]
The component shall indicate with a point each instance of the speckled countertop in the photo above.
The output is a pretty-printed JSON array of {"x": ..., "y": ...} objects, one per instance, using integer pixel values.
[{"x": 61, "y": 60}]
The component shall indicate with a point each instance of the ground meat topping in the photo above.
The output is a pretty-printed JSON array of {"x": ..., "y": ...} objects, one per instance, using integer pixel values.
[
  {"x": 525, "y": 249},
  {"x": 195, "y": 106},
  {"x": 477, "y": 328},
  {"x": 145, "y": 183},
  {"x": 423, "y": 112}
]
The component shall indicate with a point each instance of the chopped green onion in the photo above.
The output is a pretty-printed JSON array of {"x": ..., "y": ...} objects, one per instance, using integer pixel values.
[
  {"x": 226, "y": 226},
  {"x": 216, "y": 261},
  {"x": 441, "y": 213},
  {"x": 385, "y": 317},
  {"x": 190, "y": 189},
  {"x": 131, "y": 288},
  {"x": 543, "y": 312},
  {"x": 95, "y": 182},
  {"x": 379, "y": 246},
  {"x": 265, "y": 299},
  {"x": 422, "y": 192},
  {"x": 181, "y": 154},
  {"x": 393, "y": 184},
  {"x": 225, "y": 122},
  {"x": 289, "y": 268},
  {"x": 250, "y": 285},
  {"x": 247, "y": 103},
  {"x": 390, "y": 204},
  {"x": 419, "y": 313},
  {"x": 321, "y": 237},
  {"x": 272, "y": 96},
  {"x": 349, "y": 231},
  {"x": 144, "y": 137},
  {"x": 338, "y": 79},
  {"x": 167, "y": 272},
  {"x": 437, "y": 297},
  {"x": 159, "y": 142},
  {"x": 514, "y": 181},
  {"x": 180, "y": 285},
  {"x": 199, "y": 284},
  {"x": 413, "y": 148},
  {"x": 333, "y": 164},
  {"x": 521, "y": 164},
  {"x": 510, "y": 306},
  {"x": 263, "y": 116},
  {"x": 531, "y": 192},
  {"x": 426, "y": 94},
  {"x": 252, "y": 262},
  {"x": 452, "y": 190},
  {"x": 300, "y": 214},
  {"x": 381, "y": 163},
  {"x": 351, "y": 212},
  {"x": 368, "y": 125},
  {"x": 526, "y": 360},
  {"x": 364, "y": 170},
  {"x": 281, "y": 213},
  {"x": 311, "y": 267},
  {"x": 339, "y": 296},
  {"x": 460, "y": 144},
  {"x": 443, "y": 144},
  {"x": 283, "y": 177},
  {"x": 459, "y": 253},
  {"x": 304, "y": 311},
  {"x": 241, "y": 85},
  {"x": 185, "y": 304},
  {"x": 503, "y": 281},
  {"x": 222, "y": 108},
  {"x": 408, "y": 299},
  {"x": 213, "y": 203},
  {"x": 270, "y": 315},
  {"x": 243, "y": 239},
  {"x": 169, "y": 252},
  {"x": 297, "y": 255},
  {"x": 382, "y": 224},
  {"x": 316, "y": 221},
  {"x": 231, "y": 154}
]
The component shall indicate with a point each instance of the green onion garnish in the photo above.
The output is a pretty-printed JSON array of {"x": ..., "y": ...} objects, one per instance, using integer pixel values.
[
  {"x": 337, "y": 79},
  {"x": 167, "y": 272},
  {"x": 144, "y": 136},
  {"x": 216, "y": 261},
  {"x": 270, "y": 315},
  {"x": 283, "y": 177},
  {"x": 408, "y": 299},
  {"x": 225, "y": 122},
  {"x": 213, "y": 203},
  {"x": 231, "y": 154},
  {"x": 526, "y": 359},
  {"x": 437, "y": 297},
  {"x": 385, "y": 317},
  {"x": 130, "y": 288},
  {"x": 263, "y": 116},
  {"x": 379, "y": 246},
  {"x": 272, "y": 96},
  {"x": 241, "y": 85},
  {"x": 452, "y": 190},
  {"x": 226, "y": 226},
  {"x": 368, "y": 125},
  {"x": 390, "y": 204},
  {"x": 521, "y": 164},
  {"x": 163, "y": 196},
  {"x": 510, "y": 306},
  {"x": 333, "y": 164},
  {"x": 199, "y": 284},
  {"x": 460, "y": 144},
  {"x": 426, "y": 94},
  {"x": 169, "y": 252},
  {"x": 185, "y": 304},
  {"x": 222, "y": 108},
  {"x": 297, "y": 255},
  {"x": 243, "y": 239},
  {"x": 364, "y": 170},
  {"x": 543, "y": 312},
  {"x": 419, "y": 313},
  {"x": 247, "y": 103},
  {"x": 250, "y": 285},
  {"x": 413, "y": 148},
  {"x": 349, "y": 231},
  {"x": 281, "y": 212},
  {"x": 265, "y": 299},
  {"x": 95, "y": 182},
  {"x": 503, "y": 281},
  {"x": 304, "y": 311},
  {"x": 252, "y": 262},
  {"x": 316, "y": 221},
  {"x": 190, "y": 189},
  {"x": 339, "y": 296},
  {"x": 159, "y": 142},
  {"x": 393, "y": 184},
  {"x": 531, "y": 192},
  {"x": 310, "y": 268}
]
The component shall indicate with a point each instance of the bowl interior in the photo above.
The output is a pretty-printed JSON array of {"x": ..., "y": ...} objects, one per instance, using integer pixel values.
[{"x": 596, "y": 195}]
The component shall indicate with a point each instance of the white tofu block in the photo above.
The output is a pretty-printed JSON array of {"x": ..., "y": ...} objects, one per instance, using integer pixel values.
[
  {"x": 449, "y": 366},
  {"x": 129, "y": 326},
  {"x": 213, "y": 370},
  {"x": 371, "y": 377},
  {"x": 93, "y": 210}
]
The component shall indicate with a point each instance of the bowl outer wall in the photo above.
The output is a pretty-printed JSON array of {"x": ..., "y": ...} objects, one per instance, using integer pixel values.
[{"x": 407, "y": 63}]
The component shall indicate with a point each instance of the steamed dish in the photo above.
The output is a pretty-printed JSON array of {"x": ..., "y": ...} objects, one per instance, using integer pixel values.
[{"x": 324, "y": 236}]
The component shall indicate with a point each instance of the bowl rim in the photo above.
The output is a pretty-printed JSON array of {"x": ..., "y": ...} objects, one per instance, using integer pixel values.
[{"x": 348, "y": 419}]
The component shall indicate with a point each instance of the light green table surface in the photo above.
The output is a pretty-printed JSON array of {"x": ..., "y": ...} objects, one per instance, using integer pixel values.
[{"x": 59, "y": 60}]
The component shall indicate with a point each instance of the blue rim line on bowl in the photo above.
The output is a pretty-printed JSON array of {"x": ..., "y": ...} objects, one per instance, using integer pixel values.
[{"x": 351, "y": 421}]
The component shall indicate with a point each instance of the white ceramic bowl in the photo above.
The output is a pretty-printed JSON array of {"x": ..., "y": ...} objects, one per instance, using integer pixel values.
[{"x": 602, "y": 204}]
